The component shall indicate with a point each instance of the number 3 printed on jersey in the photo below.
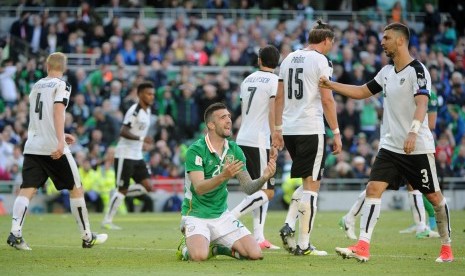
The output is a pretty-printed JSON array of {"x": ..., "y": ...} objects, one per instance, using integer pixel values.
[{"x": 299, "y": 91}]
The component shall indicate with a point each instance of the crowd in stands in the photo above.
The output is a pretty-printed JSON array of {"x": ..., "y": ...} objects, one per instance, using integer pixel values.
[{"x": 101, "y": 97}]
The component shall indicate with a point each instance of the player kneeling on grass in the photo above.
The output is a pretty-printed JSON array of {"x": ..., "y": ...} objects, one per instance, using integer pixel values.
[
  {"x": 46, "y": 154},
  {"x": 209, "y": 228}
]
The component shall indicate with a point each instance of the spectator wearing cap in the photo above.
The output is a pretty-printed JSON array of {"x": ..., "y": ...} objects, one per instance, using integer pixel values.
[{"x": 359, "y": 167}]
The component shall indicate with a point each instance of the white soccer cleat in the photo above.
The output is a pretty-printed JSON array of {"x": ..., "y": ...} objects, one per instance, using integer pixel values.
[
  {"x": 96, "y": 240},
  {"x": 268, "y": 245},
  {"x": 348, "y": 228},
  {"x": 110, "y": 226}
]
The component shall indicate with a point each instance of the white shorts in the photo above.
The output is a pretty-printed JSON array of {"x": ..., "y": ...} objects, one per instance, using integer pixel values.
[{"x": 225, "y": 230}]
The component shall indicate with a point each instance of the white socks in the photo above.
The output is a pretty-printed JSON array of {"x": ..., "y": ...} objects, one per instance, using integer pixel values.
[
  {"x": 293, "y": 212},
  {"x": 79, "y": 211},
  {"x": 115, "y": 202},
  {"x": 307, "y": 210},
  {"x": 259, "y": 217},
  {"x": 418, "y": 209},
  {"x": 19, "y": 215},
  {"x": 370, "y": 214},
  {"x": 250, "y": 203},
  {"x": 443, "y": 221}
]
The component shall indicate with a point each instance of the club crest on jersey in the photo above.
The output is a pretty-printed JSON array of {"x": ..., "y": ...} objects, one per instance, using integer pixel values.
[
  {"x": 421, "y": 82},
  {"x": 402, "y": 81},
  {"x": 229, "y": 159}
]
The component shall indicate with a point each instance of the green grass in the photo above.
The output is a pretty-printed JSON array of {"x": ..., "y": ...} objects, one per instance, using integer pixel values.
[{"x": 148, "y": 242}]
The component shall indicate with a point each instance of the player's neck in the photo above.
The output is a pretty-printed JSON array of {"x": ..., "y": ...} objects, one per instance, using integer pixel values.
[
  {"x": 266, "y": 69},
  {"x": 402, "y": 60},
  {"x": 217, "y": 142},
  {"x": 315, "y": 47},
  {"x": 54, "y": 74}
]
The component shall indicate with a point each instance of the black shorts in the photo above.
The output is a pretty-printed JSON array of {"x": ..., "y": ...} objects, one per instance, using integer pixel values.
[
  {"x": 308, "y": 155},
  {"x": 38, "y": 168},
  {"x": 127, "y": 168},
  {"x": 418, "y": 169},
  {"x": 256, "y": 162}
]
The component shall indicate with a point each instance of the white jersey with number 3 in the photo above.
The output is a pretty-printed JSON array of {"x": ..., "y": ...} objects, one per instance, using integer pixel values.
[
  {"x": 42, "y": 139},
  {"x": 256, "y": 91},
  {"x": 300, "y": 72}
]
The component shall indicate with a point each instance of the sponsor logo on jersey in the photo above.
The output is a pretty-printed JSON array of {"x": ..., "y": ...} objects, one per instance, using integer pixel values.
[
  {"x": 198, "y": 160},
  {"x": 402, "y": 81}
]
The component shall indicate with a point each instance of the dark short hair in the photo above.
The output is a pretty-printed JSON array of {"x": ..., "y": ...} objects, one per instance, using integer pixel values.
[
  {"x": 269, "y": 56},
  {"x": 212, "y": 108},
  {"x": 400, "y": 28},
  {"x": 144, "y": 85},
  {"x": 320, "y": 32}
]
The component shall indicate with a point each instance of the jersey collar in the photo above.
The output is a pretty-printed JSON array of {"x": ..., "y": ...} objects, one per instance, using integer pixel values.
[{"x": 212, "y": 150}]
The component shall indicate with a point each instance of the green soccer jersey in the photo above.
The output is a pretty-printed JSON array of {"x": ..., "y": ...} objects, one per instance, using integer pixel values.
[{"x": 201, "y": 156}]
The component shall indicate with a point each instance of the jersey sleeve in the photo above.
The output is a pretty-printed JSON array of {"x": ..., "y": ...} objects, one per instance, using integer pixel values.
[
  {"x": 273, "y": 87},
  {"x": 376, "y": 85},
  {"x": 130, "y": 116},
  {"x": 326, "y": 67},
  {"x": 194, "y": 160},
  {"x": 421, "y": 81},
  {"x": 62, "y": 93}
]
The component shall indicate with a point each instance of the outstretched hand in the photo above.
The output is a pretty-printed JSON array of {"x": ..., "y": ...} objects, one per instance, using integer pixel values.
[
  {"x": 270, "y": 169},
  {"x": 231, "y": 169},
  {"x": 324, "y": 82}
]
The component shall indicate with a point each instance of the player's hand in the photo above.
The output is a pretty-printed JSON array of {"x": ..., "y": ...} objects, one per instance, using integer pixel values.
[
  {"x": 59, "y": 151},
  {"x": 324, "y": 82},
  {"x": 148, "y": 140},
  {"x": 274, "y": 153},
  {"x": 231, "y": 169},
  {"x": 69, "y": 139},
  {"x": 409, "y": 144},
  {"x": 337, "y": 144},
  {"x": 277, "y": 140},
  {"x": 270, "y": 169}
]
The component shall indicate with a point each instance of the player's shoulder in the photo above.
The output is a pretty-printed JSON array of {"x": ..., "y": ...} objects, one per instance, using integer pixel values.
[
  {"x": 419, "y": 69},
  {"x": 199, "y": 146},
  {"x": 322, "y": 58},
  {"x": 134, "y": 109}
]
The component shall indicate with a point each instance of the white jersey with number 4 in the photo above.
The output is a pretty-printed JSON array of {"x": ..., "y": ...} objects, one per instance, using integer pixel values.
[
  {"x": 256, "y": 91},
  {"x": 300, "y": 72},
  {"x": 138, "y": 121},
  {"x": 42, "y": 139}
]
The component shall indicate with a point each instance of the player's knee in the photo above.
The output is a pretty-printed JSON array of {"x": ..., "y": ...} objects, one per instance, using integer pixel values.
[
  {"x": 269, "y": 194},
  {"x": 198, "y": 256},
  {"x": 434, "y": 198},
  {"x": 255, "y": 255}
]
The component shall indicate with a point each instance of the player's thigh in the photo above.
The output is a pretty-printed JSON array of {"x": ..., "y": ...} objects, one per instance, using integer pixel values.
[
  {"x": 141, "y": 171},
  {"x": 384, "y": 169},
  {"x": 420, "y": 171},
  {"x": 63, "y": 172},
  {"x": 226, "y": 230},
  {"x": 309, "y": 156},
  {"x": 34, "y": 175},
  {"x": 195, "y": 226},
  {"x": 124, "y": 169}
]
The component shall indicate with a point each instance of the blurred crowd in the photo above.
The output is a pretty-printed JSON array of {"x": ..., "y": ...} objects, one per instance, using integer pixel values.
[{"x": 101, "y": 97}]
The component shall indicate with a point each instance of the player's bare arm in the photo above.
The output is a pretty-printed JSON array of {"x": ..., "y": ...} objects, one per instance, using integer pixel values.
[
  {"x": 59, "y": 123},
  {"x": 277, "y": 136},
  {"x": 250, "y": 186},
  {"x": 203, "y": 185},
  {"x": 351, "y": 91},
  {"x": 421, "y": 102},
  {"x": 329, "y": 110},
  {"x": 126, "y": 133}
]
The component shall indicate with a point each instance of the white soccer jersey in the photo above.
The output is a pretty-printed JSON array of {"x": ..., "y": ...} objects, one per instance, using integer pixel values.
[
  {"x": 256, "y": 91},
  {"x": 138, "y": 120},
  {"x": 399, "y": 91},
  {"x": 303, "y": 111},
  {"x": 42, "y": 139}
]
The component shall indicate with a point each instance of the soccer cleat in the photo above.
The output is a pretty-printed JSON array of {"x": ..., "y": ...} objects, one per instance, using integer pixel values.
[
  {"x": 311, "y": 250},
  {"x": 183, "y": 245},
  {"x": 96, "y": 239},
  {"x": 360, "y": 251},
  {"x": 17, "y": 242},
  {"x": 268, "y": 245},
  {"x": 446, "y": 255},
  {"x": 409, "y": 230},
  {"x": 427, "y": 234},
  {"x": 110, "y": 226},
  {"x": 287, "y": 236},
  {"x": 349, "y": 228}
]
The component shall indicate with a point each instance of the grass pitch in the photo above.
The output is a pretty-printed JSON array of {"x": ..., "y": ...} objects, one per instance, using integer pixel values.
[{"x": 148, "y": 242}]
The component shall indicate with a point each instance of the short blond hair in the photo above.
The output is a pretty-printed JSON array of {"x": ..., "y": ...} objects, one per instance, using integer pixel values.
[{"x": 57, "y": 61}]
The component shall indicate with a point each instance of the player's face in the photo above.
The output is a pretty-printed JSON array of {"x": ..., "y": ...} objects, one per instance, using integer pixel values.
[
  {"x": 222, "y": 122},
  {"x": 389, "y": 43},
  {"x": 147, "y": 96},
  {"x": 329, "y": 45}
]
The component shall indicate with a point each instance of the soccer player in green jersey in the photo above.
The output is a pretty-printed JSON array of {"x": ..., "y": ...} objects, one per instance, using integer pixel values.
[{"x": 210, "y": 162}]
